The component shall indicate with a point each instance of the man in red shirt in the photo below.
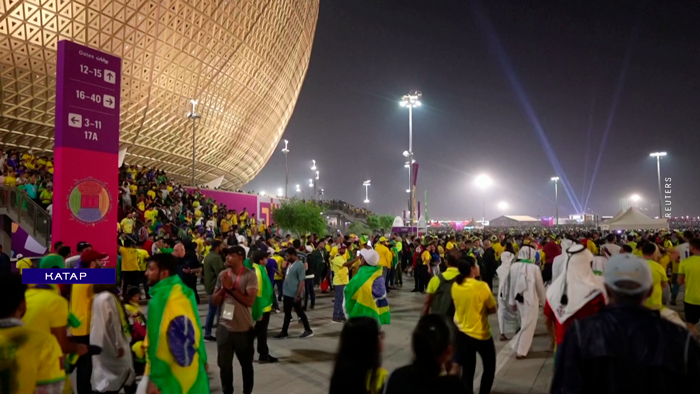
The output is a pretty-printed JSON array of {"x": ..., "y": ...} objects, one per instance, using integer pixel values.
[{"x": 575, "y": 294}]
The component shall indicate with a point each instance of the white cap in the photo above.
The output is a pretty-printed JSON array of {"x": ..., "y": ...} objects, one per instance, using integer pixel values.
[
  {"x": 371, "y": 256},
  {"x": 628, "y": 268}
]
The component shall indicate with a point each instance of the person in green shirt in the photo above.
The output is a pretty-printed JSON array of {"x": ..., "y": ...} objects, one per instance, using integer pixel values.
[{"x": 213, "y": 265}]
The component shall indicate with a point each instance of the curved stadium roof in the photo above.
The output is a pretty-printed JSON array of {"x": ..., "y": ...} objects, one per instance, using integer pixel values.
[{"x": 243, "y": 60}]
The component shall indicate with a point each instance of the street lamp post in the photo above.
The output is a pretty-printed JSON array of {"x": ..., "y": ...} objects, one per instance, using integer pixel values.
[
  {"x": 367, "y": 184},
  {"x": 194, "y": 116},
  {"x": 411, "y": 100},
  {"x": 658, "y": 156},
  {"x": 556, "y": 200},
  {"x": 483, "y": 182},
  {"x": 316, "y": 187},
  {"x": 286, "y": 168}
]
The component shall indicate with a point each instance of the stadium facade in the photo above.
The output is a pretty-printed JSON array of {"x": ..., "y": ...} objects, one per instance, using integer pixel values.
[{"x": 243, "y": 60}]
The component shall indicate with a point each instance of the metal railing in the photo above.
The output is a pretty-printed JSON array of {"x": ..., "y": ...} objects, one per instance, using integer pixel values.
[{"x": 27, "y": 213}]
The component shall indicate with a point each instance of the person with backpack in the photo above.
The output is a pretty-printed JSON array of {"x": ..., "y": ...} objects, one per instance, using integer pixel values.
[{"x": 439, "y": 293}]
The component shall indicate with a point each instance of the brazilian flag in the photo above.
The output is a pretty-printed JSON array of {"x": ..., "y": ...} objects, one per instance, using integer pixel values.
[
  {"x": 365, "y": 295},
  {"x": 263, "y": 300},
  {"x": 175, "y": 348}
]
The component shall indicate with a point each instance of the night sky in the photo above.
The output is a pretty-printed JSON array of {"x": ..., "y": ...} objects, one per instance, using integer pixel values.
[{"x": 583, "y": 67}]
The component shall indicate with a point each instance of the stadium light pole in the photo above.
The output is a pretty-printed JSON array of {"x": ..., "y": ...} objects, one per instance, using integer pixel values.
[
  {"x": 410, "y": 100},
  {"x": 483, "y": 182},
  {"x": 316, "y": 186},
  {"x": 286, "y": 168},
  {"x": 658, "y": 156},
  {"x": 194, "y": 116},
  {"x": 367, "y": 184},
  {"x": 556, "y": 200}
]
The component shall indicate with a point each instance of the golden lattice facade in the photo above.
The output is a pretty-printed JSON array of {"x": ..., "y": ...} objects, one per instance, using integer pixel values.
[{"x": 243, "y": 60}]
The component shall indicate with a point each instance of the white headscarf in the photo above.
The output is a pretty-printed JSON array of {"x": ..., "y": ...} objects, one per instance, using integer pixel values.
[
  {"x": 578, "y": 283},
  {"x": 503, "y": 273}
]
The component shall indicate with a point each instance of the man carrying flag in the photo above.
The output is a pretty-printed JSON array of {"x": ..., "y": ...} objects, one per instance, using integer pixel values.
[
  {"x": 263, "y": 304},
  {"x": 365, "y": 295},
  {"x": 176, "y": 360}
]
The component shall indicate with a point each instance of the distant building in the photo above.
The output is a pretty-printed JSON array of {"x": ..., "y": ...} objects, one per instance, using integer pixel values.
[{"x": 515, "y": 221}]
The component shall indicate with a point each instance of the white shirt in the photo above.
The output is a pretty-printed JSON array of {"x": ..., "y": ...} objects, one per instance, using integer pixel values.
[
  {"x": 611, "y": 248},
  {"x": 684, "y": 250}
]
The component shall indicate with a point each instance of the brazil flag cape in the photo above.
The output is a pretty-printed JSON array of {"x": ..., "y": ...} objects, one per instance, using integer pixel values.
[
  {"x": 175, "y": 349},
  {"x": 263, "y": 300},
  {"x": 365, "y": 295}
]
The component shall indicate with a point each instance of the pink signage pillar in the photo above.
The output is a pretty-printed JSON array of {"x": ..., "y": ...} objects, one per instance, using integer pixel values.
[{"x": 86, "y": 148}]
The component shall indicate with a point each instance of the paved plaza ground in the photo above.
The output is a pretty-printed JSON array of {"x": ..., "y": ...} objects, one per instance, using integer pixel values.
[{"x": 306, "y": 364}]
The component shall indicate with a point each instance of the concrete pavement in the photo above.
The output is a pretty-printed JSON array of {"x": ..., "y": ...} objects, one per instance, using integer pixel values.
[{"x": 306, "y": 364}]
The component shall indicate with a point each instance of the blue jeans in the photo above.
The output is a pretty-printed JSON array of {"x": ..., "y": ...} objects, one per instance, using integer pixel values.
[
  {"x": 338, "y": 312},
  {"x": 213, "y": 311}
]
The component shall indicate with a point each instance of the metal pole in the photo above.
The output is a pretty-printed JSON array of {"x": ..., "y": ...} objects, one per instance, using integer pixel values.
[
  {"x": 286, "y": 175},
  {"x": 410, "y": 162},
  {"x": 483, "y": 212},
  {"x": 658, "y": 176},
  {"x": 556, "y": 203},
  {"x": 194, "y": 129}
]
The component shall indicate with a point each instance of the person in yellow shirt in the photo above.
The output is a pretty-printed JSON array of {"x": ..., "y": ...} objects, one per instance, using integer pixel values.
[
  {"x": 11, "y": 178},
  {"x": 442, "y": 283},
  {"x": 339, "y": 267},
  {"x": 689, "y": 275},
  {"x": 385, "y": 257},
  {"x": 128, "y": 223},
  {"x": 473, "y": 302},
  {"x": 23, "y": 263},
  {"x": 651, "y": 254},
  {"x": 31, "y": 361}
]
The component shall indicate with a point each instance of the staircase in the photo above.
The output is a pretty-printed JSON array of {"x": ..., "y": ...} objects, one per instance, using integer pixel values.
[{"x": 16, "y": 205}]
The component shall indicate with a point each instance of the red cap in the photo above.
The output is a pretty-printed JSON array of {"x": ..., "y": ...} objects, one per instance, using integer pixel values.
[{"x": 91, "y": 255}]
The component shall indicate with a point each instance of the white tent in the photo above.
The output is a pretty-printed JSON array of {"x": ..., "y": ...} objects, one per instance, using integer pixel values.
[{"x": 633, "y": 219}]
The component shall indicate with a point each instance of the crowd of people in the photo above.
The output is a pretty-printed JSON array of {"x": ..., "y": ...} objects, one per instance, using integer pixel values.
[
  {"x": 605, "y": 298},
  {"x": 33, "y": 174}
]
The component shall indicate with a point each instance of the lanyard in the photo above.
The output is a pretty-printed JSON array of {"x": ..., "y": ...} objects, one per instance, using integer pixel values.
[{"x": 238, "y": 277}]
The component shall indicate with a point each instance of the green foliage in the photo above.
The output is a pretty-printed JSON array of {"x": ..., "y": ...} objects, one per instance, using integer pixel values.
[
  {"x": 385, "y": 222},
  {"x": 358, "y": 228},
  {"x": 299, "y": 218},
  {"x": 373, "y": 222}
]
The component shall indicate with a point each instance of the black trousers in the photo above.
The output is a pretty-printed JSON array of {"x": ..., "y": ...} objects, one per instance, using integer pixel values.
[
  {"x": 309, "y": 292},
  {"x": 83, "y": 367},
  {"x": 131, "y": 278},
  {"x": 466, "y": 350},
  {"x": 289, "y": 304},
  {"x": 241, "y": 344},
  {"x": 261, "y": 334},
  {"x": 422, "y": 277}
]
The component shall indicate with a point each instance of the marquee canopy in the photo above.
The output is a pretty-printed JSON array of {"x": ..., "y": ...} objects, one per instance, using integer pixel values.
[{"x": 633, "y": 218}]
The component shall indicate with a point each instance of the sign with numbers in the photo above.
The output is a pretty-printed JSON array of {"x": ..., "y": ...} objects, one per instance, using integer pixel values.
[{"x": 86, "y": 148}]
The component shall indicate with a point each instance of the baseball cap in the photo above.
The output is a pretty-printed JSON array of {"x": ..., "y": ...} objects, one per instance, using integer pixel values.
[
  {"x": 371, "y": 256},
  {"x": 239, "y": 250},
  {"x": 628, "y": 268},
  {"x": 91, "y": 255},
  {"x": 382, "y": 239}
]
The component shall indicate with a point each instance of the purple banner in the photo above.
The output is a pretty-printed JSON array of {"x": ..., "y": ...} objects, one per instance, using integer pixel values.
[
  {"x": 414, "y": 174},
  {"x": 88, "y": 86}
]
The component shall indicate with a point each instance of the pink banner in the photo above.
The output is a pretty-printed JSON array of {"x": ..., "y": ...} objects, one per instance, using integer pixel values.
[
  {"x": 261, "y": 206},
  {"x": 86, "y": 148}
]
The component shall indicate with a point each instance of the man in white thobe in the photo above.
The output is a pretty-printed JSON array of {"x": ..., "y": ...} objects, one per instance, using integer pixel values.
[
  {"x": 507, "y": 316},
  {"x": 559, "y": 261},
  {"x": 112, "y": 368},
  {"x": 527, "y": 294}
]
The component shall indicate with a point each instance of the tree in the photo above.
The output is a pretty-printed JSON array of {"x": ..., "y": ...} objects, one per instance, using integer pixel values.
[
  {"x": 386, "y": 222},
  {"x": 299, "y": 218},
  {"x": 373, "y": 222},
  {"x": 358, "y": 228}
]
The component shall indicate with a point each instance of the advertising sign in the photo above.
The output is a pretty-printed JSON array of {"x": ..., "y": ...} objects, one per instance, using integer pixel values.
[{"x": 86, "y": 150}]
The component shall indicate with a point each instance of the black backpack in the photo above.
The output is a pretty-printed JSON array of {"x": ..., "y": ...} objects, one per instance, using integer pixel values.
[{"x": 442, "y": 299}]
